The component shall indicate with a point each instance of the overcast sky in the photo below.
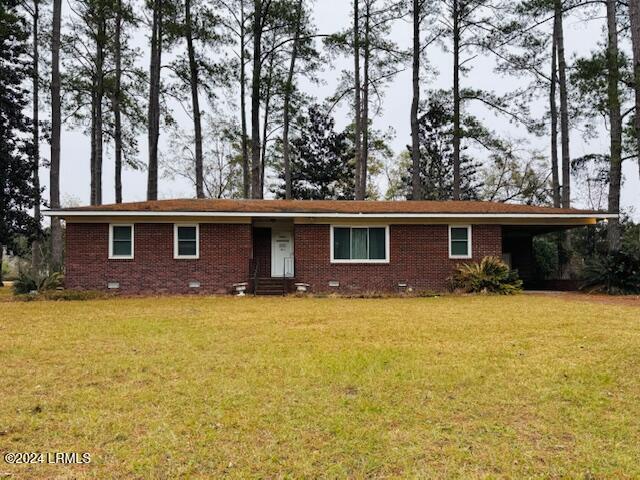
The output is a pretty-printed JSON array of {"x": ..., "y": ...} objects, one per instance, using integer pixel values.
[{"x": 331, "y": 16}]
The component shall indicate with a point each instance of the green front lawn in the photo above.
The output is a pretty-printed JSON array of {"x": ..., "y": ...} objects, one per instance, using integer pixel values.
[{"x": 469, "y": 387}]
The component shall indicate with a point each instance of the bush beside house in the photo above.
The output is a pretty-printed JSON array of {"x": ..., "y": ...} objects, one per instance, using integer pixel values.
[
  {"x": 29, "y": 281},
  {"x": 490, "y": 275},
  {"x": 616, "y": 274}
]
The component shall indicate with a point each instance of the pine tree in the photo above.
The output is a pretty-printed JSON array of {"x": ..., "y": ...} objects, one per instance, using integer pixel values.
[
  {"x": 195, "y": 30},
  {"x": 417, "y": 16},
  {"x": 604, "y": 88},
  {"x": 634, "y": 21},
  {"x": 32, "y": 10},
  {"x": 103, "y": 88},
  {"x": 376, "y": 60},
  {"x": 615, "y": 124},
  {"x": 289, "y": 55},
  {"x": 288, "y": 90},
  {"x": 321, "y": 160},
  {"x": 473, "y": 32},
  {"x": 56, "y": 126},
  {"x": 235, "y": 19},
  {"x": 161, "y": 14},
  {"x": 126, "y": 85},
  {"x": 16, "y": 149},
  {"x": 436, "y": 155},
  {"x": 260, "y": 16}
]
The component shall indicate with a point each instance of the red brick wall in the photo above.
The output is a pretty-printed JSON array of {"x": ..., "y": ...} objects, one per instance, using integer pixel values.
[
  {"x": 225, "y": 250},
  {"x": 419, "y": 257}
]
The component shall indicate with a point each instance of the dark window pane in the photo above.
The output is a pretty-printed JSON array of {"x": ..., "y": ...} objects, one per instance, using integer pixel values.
[
  {"x": 186, "y": 233},
  {"x": 377, "y": 244},
  {"x": 122, "y": 248},
  {"x": 186, "y": 247},
  {"x": 122, "y": 233},
  {"x": 359, "y": 243},
  {"x": 459, "y": 247},
  {"x": 341, "y": 244},
  {"x": 459, "y": 234}
]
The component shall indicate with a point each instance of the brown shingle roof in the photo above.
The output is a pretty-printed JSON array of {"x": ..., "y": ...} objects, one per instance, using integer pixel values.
[{"x": 328, "y": 206}]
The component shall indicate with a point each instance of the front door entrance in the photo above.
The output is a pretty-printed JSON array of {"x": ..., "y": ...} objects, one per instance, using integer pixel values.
[
  {"x": 281, "y": 252},
  {"x": 262, "y": 251}
]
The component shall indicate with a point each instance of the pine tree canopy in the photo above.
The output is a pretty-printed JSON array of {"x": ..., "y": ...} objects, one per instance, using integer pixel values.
[{"x": 16, "y": 182}]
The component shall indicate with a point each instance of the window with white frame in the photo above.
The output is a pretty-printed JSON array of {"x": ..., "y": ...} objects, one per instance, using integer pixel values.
[
  {"x": 359, "y": 244},
  {"x": 459, "y": 241},
  {"x": 120, "y": 241},
  {"x": 186, "y": 241}
]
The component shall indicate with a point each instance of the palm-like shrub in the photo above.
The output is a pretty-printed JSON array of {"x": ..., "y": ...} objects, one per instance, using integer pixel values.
[
  {"x": 491, "y": 275},
  {"x": 28, "y": 282},
  {"x": 25, "y": 283},
  {"x": 616, "y": 274}
]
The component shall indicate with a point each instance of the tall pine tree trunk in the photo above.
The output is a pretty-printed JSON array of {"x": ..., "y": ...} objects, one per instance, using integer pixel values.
[
  {"x": 357, "y": 98},
  {"x": 456, "y": 100},
  {"x": 288, "y": 91},
  {"x": 564, "y": 105},
  {"x": 634, "y": 15},
  {"x": 615, "y": 122},
  {"x": 100, "y": 42},
  {"x": 92, "y": 157},
  {"x": 256, "y": 181},
  {"x": 36, "y": 249},
  {"x": 562, "y": 240},
  {"x": 154, "y": 100},
  {"x": 416, "y": 184},
  {"x": 56, "y": 122},
  {"x": 265, "y": 121},
  {"x": 365, "y": 101},
  {"x": 115, "y": 102},
  {"x": 195, "y": 101},
  {"x": 246, "y": 185},
  {"x": 555, "y": 176}
]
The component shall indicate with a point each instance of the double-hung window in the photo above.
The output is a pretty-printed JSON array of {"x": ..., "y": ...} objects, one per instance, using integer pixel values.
[
  {"x": 120, "y": 241},
  {"x": 359, "y": 244},
  {"x": 459, "y": 241},
  {"x": 186, "y": 241}
]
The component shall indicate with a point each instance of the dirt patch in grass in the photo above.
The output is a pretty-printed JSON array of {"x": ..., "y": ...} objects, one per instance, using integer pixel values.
[{"x": 204, "y": 387}]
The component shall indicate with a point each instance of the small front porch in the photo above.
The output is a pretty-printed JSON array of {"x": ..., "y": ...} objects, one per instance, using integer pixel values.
[{"x": 272, "y": 265}]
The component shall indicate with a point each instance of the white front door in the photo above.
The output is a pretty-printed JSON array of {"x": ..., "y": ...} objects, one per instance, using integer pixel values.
[{"x": 281, "y": 253}]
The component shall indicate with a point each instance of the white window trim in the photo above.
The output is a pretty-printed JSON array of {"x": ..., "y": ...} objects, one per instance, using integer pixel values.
[
  {"x": 175, "y": 241},
  {"x": 387, "y": 251},
  {"x": 121, "y": 257},
  {"x": 469, "y": 242}
]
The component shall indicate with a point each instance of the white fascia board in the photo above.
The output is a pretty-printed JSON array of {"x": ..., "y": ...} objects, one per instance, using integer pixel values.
[{"x": 105, "y": 213}]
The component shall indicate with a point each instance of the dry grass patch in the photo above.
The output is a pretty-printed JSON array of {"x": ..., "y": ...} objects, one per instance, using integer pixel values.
[
  {"x": 5, "y": 291},
  {"x": 469, "y": 387}
]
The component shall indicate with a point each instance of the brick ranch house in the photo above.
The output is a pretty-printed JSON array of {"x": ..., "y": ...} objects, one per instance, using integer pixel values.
[{"x": 203, "y": 245}]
